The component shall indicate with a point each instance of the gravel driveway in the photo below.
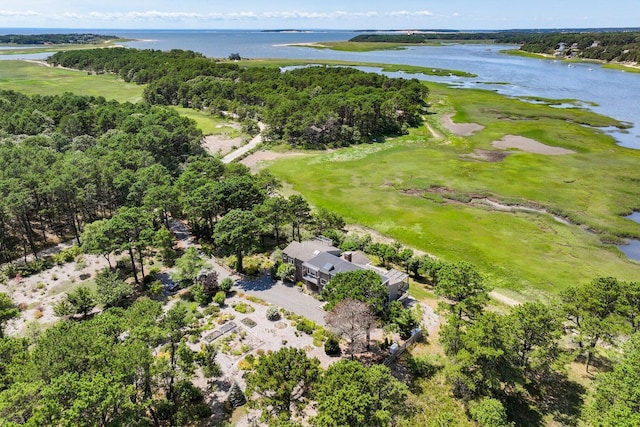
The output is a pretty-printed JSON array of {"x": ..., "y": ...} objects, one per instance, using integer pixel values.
[{"x": 287, "y": 296}]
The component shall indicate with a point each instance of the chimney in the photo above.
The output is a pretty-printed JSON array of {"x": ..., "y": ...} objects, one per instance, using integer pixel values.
[{"x": 347, "y": 256}]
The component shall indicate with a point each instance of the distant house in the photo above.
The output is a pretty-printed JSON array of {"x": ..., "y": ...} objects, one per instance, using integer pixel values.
[{"x": 317, "y": 262}]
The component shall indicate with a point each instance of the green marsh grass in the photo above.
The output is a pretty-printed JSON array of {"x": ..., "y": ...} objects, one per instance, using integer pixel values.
[
  {"x": 385, "y": 187},
  {"x": 33, "y": 78}
]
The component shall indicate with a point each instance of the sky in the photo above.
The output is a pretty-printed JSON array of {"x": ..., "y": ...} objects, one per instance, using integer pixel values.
[{"x": 325, "y": 14}]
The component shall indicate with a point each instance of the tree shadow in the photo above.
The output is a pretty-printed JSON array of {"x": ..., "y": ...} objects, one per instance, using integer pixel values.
[{"x": 561, "y": 397}]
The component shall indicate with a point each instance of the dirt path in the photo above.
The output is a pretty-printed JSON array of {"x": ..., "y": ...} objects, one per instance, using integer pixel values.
[
  {"x": 434, "y": 132},
  {"x": 245, "y": 148}
]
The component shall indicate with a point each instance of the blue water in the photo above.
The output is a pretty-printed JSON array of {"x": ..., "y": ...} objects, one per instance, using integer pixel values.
[
  {"x": 632, "y": 248},
  {"x": 614, "y": 92}
]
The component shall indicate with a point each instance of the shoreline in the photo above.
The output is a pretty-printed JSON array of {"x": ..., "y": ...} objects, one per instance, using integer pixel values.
[{"x": 635, "y": 67}]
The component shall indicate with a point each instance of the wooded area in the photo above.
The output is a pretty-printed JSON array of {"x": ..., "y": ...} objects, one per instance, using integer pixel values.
[
  {"x": 306, "y": 107},
  {"x": 42, "y": 39}
]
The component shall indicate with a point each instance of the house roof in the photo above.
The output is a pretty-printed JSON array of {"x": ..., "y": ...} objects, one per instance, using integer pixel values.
[
  {"x": 306, "y": 250},
  {"x": 359, "y": 258},
  {"x": 331, "y": 264}
]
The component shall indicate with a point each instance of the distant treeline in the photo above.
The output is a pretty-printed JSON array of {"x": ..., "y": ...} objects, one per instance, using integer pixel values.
[
  {"x": 310, "y": 107},
  {"x": 610, "y": 47},
  {"x": 54, "y": 38},
  {"x": 417, "y": 38},
  {"x": 620, "y": 46}
]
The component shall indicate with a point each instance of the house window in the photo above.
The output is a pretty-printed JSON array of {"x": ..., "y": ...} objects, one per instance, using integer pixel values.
[
  {"x": 323, "y": 281},
  {"x": 313, "y": 273}
]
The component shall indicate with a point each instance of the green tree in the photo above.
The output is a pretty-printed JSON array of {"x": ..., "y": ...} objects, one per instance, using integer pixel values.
[
  {"x": 273, "y": 212},
  {"x": 163, "y": 241},
  {"x": 629, "y": 304},
  {"x": 282, "y": 380},
  {"x": 132, "y": 230},
  {"x": 350, "y": 394},
  {"x": 482, "y": 365},
  {"x": 616, "y": 397},
  {"x": 489, "y": 412},
  {"x": 237, "y": 231},
  {"x": 96, "y": 240},
  {"x": 111, "y": 291},
  {"x": 8, "y": 311},
  {"x": 299, "y": 214},
  {"x": 465, "y": 295},
  {"x": 591, "y": 310},
  {"x": 534, "y": 331},
  {"x": 82, "y": 300},
  {"x": 360, "y": 285},
  {"x": 189, "y": 265}
]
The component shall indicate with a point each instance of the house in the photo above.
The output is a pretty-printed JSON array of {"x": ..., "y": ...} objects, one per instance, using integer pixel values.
[
  {"x": 317, "y": 262},
  {"x": 297, "y": 253}
]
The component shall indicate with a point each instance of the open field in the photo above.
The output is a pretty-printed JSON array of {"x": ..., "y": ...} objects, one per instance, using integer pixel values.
[
  {"x": 211, "y": 124},
  {"x": 422, "y": 191},
  {"x": 34, "y": 78}
]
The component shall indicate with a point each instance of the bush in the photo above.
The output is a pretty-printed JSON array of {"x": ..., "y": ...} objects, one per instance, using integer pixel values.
[
  {"x": 67, "y": 255},
  {"x": 489, "y": 412},
  {"x": 243, "y": 308},
  {"x": 273, "y": 314},
  {"x": 219, "y": 298},
  {"x": 422, "y": 366},
  {"x": 199, "y": 295},
  {"x": 226, "y": 284},
  {"x": 285, "y": 271},
  {"x": 332, "y": 346},
  {"x": 211, "y": 310},
  {"x": 306, "y": 326}
]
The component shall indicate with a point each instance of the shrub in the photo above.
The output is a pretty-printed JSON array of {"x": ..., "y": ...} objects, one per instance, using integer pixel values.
[
  {"x": 243, "y": 308},
  {"x": 285, "y": 271},
  {"x": 211, "y": 310},
  {"x": 199, "y": 295},
  {"x": 422, "y": 366},
  {"x": 273, "y": 314},
  {"x": 332, "y": 346},
  {"x": 489, "y": 412},
  {"x": 306, "y": 326},
  {"x": 155, "y": 288},
  {"x": 226, "y": 284},
  {"x": 219, "y": 298}
]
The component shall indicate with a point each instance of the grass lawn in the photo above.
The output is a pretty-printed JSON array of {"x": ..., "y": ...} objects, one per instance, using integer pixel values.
[
  {"x": 210, "y": 124},
  {"x": 526, "y": 252},
  {"x": 36, "y": 79}
]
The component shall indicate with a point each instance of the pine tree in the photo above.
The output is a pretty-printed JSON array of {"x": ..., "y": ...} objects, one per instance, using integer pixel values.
[{"x": 236, "y": 396}]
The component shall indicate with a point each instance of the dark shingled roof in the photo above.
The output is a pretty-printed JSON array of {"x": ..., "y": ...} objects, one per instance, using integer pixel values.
[
  {"x": 306, "y": 250},
  {"x": 331, "y": 264}
]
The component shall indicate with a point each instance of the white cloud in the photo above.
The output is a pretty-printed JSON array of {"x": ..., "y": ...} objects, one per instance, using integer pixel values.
[
  {"x": 9, "y": 13},
  {"x": 407, "y": 13},
  {"x": 231, "y": 16}
]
